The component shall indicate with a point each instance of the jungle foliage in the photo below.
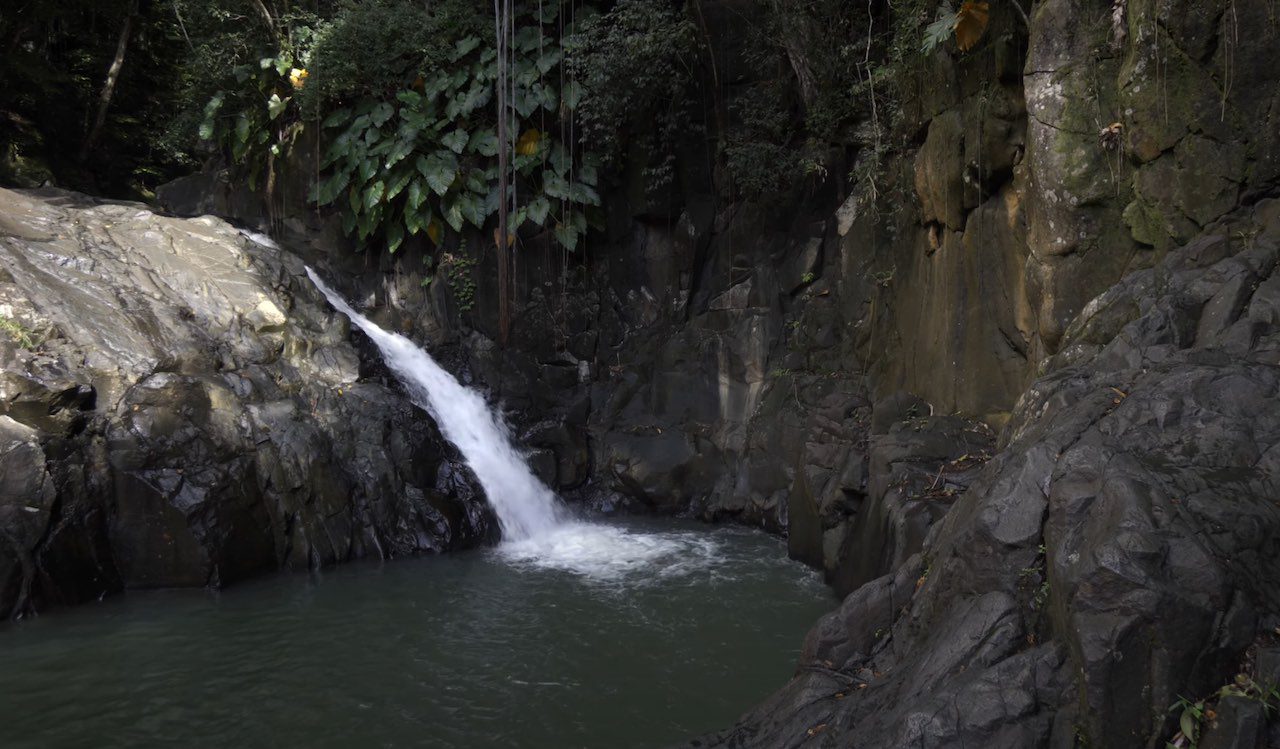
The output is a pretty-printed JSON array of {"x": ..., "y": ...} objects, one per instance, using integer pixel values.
[{"x": 399, "y": 94}]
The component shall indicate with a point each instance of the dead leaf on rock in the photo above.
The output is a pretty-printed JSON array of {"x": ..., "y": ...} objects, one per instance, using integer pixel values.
[{"x": 971, "y": 23}]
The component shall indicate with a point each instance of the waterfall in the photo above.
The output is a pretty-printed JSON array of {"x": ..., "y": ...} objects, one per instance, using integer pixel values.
[{"x": 525, "y": 507}]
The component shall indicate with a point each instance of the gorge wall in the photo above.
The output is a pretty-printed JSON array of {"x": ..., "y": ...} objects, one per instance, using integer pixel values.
[{"x": 1017, "y": 400}]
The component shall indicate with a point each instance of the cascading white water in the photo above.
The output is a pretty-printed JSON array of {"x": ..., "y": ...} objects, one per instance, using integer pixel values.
[
  {"x": 526, "y": 508},
  {"x": 537, "y": 530}
]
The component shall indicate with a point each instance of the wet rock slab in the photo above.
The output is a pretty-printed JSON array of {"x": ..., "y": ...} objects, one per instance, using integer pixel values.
[{"x": 178, "y": 406}]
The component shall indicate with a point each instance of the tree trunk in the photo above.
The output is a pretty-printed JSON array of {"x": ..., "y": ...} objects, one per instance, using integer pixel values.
[
  {"x": 502, "y": 20},
  {"x": 266, "y": 16},
  {"x": 109, "y": 87}
]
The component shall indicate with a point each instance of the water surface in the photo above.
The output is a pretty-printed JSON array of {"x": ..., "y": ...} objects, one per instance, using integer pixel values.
[{"x": 635, "y": 635}]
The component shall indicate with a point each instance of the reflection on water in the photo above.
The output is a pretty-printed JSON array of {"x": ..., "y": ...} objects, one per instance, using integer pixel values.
[{"x": 606, "y": 636}]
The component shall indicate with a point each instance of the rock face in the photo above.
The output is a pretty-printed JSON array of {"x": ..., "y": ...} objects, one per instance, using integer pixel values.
[
  {"x": 836, "y": 368},
  {"x": 1120, "y": 550},
  {"x": 178, "y": 406}
]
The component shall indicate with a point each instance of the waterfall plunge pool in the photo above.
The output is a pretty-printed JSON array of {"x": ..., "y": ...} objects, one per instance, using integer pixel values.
[{"x": 633, "y": 634}]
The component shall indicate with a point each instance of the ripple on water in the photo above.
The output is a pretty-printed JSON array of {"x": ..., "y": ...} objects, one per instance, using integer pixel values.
[{"x": 628, "y": 636}]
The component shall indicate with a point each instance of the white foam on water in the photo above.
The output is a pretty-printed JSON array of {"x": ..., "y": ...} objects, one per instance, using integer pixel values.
[
  {"x": 538, "y": 532},
  {"x": 610, "y": 554}
]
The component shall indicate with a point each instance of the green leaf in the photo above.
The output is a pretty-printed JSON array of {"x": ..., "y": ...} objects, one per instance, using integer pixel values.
[
  {"x": 416, "y": 195},
  {"x": 366, "y": 170},
  {"x": 242, "y": 130},
  {"x": 589, "y": 174},
  {"x": 395, "y": 236},
  {"x": 465, "y": 47},
  {"x": 416, "y": 221},
  {"x": 214, "y": 104},
  {"x": 353, "y": 199},
  {"x": 398, "y": 183},
  {"x": 566, "y": 236},
  {"x": 1188, "y": 725},
  {"x": 456, "y": 141},
  {"x": 410, "y": 98},
  {"x": 476, "y": 97},
  {"x": 580, "y": 193},
  {"x": 340, "y": 147},
  {"x": 348, "y": 222},
  {"x": 472, "y": 209},
  {"x": 381, "y": 113},
  {"x": 439, "y": 173},
  {"x": 528, "y": 39},
  {"x": 276, "y": 105},
  {"x": 525, "y": 102},
  {"x": 209, "y": 125},
  {"x": 560, "y": 159},
  {"x": 484, "y": 142},
  {"x": 453, "y": 216},
  {"x": 555, "y": 186},
  {"x": 548, "y": 97},
  {"x": 572, "y": 95},
  {"x": 539, "y": 207},
  {"x": 402, "y": 148},
  {"x": 367, "y": 223},
  {"x": 373, "y": 194},
  {"x": 436, "y": 86},
  {"x": 549, "y": 60},
  {"x": 940, "y": 30},
  {"x": 336, "y": 118},
  {"x": 240, "y": 146},
  {"x": 477, "y": 183},
  {"x": 329, "y": 190}
]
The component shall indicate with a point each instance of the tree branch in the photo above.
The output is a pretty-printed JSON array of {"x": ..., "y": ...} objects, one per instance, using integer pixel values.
[
  {"x": 266, "y": 15},
  {"x": 1021, "y": 13},
  {"x": 109, "y": 87}
]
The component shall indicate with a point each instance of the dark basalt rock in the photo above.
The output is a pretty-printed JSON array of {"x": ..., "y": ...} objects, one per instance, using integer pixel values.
[
  {"x": 1119, "y": 551},
  {"x": 186, "y": 410}
]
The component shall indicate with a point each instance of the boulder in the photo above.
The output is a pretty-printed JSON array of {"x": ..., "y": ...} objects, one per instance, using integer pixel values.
[{"x": 179, "y": 406}]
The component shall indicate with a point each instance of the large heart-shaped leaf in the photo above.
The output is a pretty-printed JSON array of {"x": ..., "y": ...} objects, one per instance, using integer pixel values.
[
  {"x": 456, "y": 141},
  {"x": 276, "y": 106},
  {"x": 438, "y": 172},
  {"x": 484, "y": 142},
  {"x": 336, "y": 118},
  {"x": 373, "y": 194},
  {"x": 539, "y": 207},
  {"x": 555, "y": 186},
  {"x": 585, "y": 194}
]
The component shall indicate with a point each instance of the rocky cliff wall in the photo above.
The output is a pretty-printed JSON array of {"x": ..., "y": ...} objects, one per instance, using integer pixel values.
[{"x": 179, "y": 406}]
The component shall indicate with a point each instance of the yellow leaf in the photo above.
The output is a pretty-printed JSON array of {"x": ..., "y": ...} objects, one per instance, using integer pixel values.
[
  {"x": 434, "y": 231},
  {"x": 298, "y": 77},
  {"x": 497, "y": 238},
  {"x": 971, "y": 23},
  {"x": 528, "y": 143}
]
